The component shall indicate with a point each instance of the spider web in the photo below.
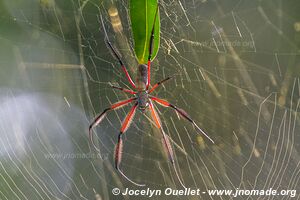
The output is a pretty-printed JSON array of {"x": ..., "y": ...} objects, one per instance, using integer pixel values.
[{"x": 236, "y": 67}]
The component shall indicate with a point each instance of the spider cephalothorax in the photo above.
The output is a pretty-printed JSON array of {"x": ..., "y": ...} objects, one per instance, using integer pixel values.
[{"x": 142, "y": 100}]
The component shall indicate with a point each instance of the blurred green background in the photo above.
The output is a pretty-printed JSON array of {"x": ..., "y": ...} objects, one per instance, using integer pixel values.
[{"x": 237, "y": 70}]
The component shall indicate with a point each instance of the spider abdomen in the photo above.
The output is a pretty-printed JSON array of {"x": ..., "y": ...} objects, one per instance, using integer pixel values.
[{"x": 142, "y": 77}]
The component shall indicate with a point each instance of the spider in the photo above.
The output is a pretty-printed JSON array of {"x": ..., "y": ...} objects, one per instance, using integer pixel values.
[{"x": 142, "y": 100}]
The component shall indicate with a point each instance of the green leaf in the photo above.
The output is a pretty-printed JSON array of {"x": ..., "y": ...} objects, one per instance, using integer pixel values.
[{"x": 142, "y": 15}]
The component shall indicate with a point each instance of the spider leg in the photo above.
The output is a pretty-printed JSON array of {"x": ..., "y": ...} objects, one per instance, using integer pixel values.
[
  {"x": 151, "y": 48},
  {"x": 182, "y": 113},
  {"x": 116, "y": 54},
  {"x": 123, "y": 89},
  {"x": 165, "y": 139},
  {"x": 119, "y": 147},
  {"x": 101, "y": 116},
  {"x": 159, "y": 83}
]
